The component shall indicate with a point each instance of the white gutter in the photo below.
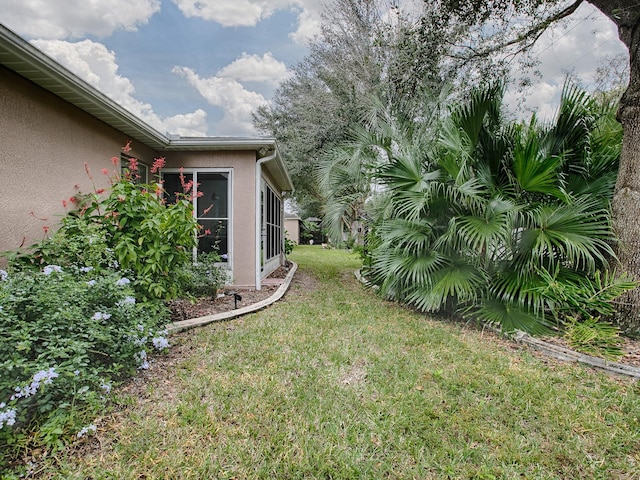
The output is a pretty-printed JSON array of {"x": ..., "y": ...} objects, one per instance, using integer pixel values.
[{"x": 259, "y": 164}]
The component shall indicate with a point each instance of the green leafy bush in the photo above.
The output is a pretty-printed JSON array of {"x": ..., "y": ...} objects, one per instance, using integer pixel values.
[
  {"x": 289, "y": 245},
  {"x": 131, "y": 228},
  {"x": 68, "y": 335},
  {"x": 204, "y": 277},
  {"x": 503, "y": 222},
  {"x": 82, "y": 309}
]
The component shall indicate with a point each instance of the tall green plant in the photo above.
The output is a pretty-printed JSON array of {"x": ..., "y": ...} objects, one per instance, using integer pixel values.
[
  {"x": 485, "y": 218},
  {"x": 130, "y": 227}
]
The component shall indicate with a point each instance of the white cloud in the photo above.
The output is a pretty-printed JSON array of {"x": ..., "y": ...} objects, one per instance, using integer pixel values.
[
  {"x": 97, "y": 65},
  {"x": 57, "y": 19},
  {"x": 188, "y": 125},
  {"x": 247, "y": 13},
  {"x": 254, "y": 68},
  {"x": 228, "y": 94},
  {"x": 575, "y": 48},
  {"x": 232, "y": 13},
  {"x": 308, "y": 25}
]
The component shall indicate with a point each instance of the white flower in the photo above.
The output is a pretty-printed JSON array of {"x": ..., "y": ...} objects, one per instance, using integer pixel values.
[
  {"x": 127, "y": 301},
  {"x": 106, "y": 388},
  {"x": 138, "y": 342},
  {"x": 86, "y": 269},
  {"x": 49, "y": 269},
  {"x": 160, "y": 343},
  {"x": 46, "y": 375},
  {"x": 123, "y": 281},
  {"x": 7, "y": 417},
  {"x": 88, "y": 429},
  {"x": 91, "y": 283},
  {"x": 141, "y": 359},
  {"x": 3, "y": 275},
  {"x": 101, "y": 316}
]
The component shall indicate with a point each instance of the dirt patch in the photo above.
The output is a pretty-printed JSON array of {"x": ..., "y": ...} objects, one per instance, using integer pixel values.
[
  {"x": 185, "y": 309},
  {"x": 229, "y": 299}
]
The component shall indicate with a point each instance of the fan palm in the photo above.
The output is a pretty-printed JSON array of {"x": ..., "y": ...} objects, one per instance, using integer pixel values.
[{"x": 483, "y": 216}]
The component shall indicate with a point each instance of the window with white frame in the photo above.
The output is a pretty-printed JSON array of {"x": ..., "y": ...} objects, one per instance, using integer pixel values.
[
  {"x": 211, "y": 204},
  {"x": 141, "y": 173}
]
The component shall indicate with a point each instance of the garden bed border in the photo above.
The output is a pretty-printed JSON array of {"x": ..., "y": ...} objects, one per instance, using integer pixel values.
[{"x": 218, "y": 317}]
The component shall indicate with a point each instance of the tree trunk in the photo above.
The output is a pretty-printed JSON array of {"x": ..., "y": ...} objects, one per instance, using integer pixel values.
[{"x": 626, "y": 200}]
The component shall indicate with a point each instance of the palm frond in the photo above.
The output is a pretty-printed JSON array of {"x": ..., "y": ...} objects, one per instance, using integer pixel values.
[
  {"x": 481, "y": 109},
  {"x": 511, "y": 317},
  {"x": 485, "y": 234},
  {"x": 576, "y": 234},
  {"x": 458, "y": 283},
  {"x": 534, "y": 172}
]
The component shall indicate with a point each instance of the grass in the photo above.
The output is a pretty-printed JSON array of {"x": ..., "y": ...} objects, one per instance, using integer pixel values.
[{"x": 333, "y": 382}]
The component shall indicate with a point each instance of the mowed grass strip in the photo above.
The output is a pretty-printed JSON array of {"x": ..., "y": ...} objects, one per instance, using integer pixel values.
[{"x": 333, "y": 382}]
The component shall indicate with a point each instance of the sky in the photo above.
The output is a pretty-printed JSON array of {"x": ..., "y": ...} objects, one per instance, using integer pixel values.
[{"x": 201, "y": 67}]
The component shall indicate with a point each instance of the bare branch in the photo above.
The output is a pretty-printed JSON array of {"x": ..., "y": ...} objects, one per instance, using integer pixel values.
[{"x": 527, "y": 39}]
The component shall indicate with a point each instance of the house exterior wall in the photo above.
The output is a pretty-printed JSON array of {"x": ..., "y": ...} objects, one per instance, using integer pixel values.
[
  {"x": 292, "y": 229},
  {"x": 243, "y": 165},
  {"x": 44, "y": 142}
]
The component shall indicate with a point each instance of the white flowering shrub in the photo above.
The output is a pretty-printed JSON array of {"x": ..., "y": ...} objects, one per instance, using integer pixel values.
[{"x": 68, "y": 335}]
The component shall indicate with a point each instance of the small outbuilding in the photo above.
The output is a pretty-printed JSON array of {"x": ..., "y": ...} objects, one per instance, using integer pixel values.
[{"x": 52, "y": 124}]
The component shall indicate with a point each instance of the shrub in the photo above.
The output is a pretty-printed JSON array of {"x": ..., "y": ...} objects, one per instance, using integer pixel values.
[
  {"x": 203, "y": 278},
  {"x": 289, "y": 245},
  {"x": 81, "y": 310},
  {"x": 132, "y": 228},
  {"x": 68, "y": 336}
]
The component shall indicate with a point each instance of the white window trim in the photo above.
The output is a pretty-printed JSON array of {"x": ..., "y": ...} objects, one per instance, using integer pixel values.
[{"x": 230, "y": 189}]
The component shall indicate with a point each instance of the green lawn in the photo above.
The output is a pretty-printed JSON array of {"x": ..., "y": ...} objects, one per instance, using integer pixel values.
[{"x": 334, "y": 383}]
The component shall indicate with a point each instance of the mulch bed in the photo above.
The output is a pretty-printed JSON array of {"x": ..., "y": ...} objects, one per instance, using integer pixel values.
[{"x": 185, "y": 309}]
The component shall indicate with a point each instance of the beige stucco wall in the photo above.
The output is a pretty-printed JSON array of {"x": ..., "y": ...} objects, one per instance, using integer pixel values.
[
  {"x": 44, "y": 142},
  {"x": 243, "y": 165},
  {"x": 292, "y": 229}
]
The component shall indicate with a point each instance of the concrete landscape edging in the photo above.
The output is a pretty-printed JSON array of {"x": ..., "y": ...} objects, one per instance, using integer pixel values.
[{"x": 207, "y": 319}]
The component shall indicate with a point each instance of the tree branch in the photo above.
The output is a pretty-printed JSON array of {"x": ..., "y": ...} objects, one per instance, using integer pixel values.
[{"x": 533, "y": 34}]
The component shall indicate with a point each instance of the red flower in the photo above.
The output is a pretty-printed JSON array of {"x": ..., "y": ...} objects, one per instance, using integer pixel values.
[
  {"x": 115, "y": 161},
  {"x": 105, "y": 171},
  {"x": 64, "y": 203},
  {"x": 133, "y": 164},
  {"x": 86, "y": 169},
  {"x": 158, "y": 164},
  {"x": 127, "y": 148},
  {"x": 46, "y": 229},
  {"x": 100, "y": 191}
]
